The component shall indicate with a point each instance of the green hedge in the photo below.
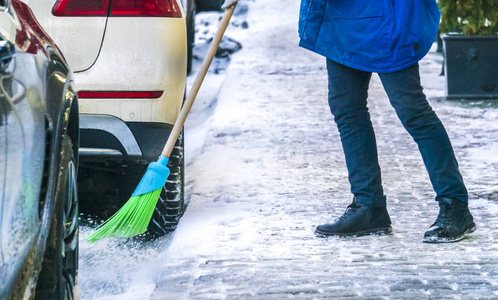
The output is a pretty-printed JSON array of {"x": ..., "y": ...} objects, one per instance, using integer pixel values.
[{"x": 472, "y": 17}]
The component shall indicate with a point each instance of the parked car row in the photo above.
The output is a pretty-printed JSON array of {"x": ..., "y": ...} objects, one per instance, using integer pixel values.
[{"x": 89, "y": 92}]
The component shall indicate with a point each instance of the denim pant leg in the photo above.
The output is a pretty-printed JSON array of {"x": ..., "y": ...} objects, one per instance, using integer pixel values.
[
  {"x": 348, "y": 91},
  {"x": 421, "y": 122}
]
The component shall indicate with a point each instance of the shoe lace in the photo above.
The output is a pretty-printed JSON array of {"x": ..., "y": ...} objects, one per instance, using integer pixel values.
[
  {"x": 444, "y": 215},
  {"x": 351, "y": 208}
]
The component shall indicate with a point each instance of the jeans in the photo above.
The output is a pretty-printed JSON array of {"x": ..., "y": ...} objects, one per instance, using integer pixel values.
[{"x": 348, "y": 92}]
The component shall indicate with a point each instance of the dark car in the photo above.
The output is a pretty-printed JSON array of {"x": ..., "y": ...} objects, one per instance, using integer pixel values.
[
  {"x": 191, "y": 8},
  {"x": 39, "y": 139}
]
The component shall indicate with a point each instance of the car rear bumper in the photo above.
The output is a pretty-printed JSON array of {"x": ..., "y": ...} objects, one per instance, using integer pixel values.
[{"x": 106, "y": 137}]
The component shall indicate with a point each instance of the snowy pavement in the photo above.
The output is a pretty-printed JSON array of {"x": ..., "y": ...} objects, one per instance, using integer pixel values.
[
  {"x": 265, "y": 167},
  {"x": 272, "y": 168}
]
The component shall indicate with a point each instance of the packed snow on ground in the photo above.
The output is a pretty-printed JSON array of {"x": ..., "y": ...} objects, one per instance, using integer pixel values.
[
  {"x": 271, "y": 168},
  {"x": 265, "y": 166},
  {"x": 116, "y": 269}
]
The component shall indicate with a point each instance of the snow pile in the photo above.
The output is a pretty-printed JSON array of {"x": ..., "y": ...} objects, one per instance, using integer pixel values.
[{"x": 113, "y": 269}]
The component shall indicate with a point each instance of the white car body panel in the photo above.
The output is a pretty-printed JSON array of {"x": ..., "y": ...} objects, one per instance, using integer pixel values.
[
  {"x": 79, "y": 38},
  {"x": 136, "y": 54},
  {"x": 79, "y": 44},
  {"x": 158, "y": 65}
]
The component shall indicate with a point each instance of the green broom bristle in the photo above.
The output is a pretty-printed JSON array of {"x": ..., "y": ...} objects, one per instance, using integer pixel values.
[{"x": 132, "y": 219}]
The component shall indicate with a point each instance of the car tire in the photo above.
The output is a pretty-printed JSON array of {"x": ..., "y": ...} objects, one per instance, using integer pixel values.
[
  {"x": 190, "y": 38},
  {"x": 104, "y": 189},
  {"x": 171, "y": 204},
  {"x": 209, "y": 5},
  {"x": 59, "y": 275}
]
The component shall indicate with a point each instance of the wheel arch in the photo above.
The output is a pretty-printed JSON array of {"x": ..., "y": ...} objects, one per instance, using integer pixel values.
[
  {"x": 62, "y": 116},
  {"x": 62, "y": 120}
]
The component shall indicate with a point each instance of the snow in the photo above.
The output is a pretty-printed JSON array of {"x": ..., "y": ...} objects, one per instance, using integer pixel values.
[
  {"x": 115, "y": 269},
  {"x": 118, "y": 269},
  {"x": 265, "y": 166}
]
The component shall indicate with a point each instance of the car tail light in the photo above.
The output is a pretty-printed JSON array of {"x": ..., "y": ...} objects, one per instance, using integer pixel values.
[
  {"x": 146, "y": 8},
  {"x": 83, "y": 8},
  {"x": 120, "y": 95},
  {"x": 120, "y": 8}
]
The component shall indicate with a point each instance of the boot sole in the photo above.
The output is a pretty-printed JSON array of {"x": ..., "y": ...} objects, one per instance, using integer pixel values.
[
  {"x": 439, "y": 240},
  {"x": 376, "y": 231}
]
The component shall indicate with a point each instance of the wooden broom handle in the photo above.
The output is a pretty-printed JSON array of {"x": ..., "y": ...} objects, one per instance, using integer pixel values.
[{"x": 170, "y": 144}]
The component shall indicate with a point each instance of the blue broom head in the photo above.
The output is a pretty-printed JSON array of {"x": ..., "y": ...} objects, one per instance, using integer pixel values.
[{"x": 155, "y": 177}]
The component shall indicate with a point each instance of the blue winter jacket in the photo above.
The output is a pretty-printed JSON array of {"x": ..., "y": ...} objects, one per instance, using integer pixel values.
[{"x": 371, "y": 35}]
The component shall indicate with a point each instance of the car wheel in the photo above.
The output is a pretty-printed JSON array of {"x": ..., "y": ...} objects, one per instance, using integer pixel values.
[
  {"x": 190, "y": 37},
  {"x": 171, "y": 204},
  {"x": 209, "y": 5},
  {"x": 58, "y": 278}
]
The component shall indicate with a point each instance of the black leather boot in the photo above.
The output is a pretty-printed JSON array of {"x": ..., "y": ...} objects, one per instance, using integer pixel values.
[
  {"x": 359, "y": 219},
  {"x": 452, "y": 223}
]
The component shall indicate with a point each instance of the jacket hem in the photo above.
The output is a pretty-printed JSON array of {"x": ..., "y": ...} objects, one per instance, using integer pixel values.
[{"x": 387, "y": 69}]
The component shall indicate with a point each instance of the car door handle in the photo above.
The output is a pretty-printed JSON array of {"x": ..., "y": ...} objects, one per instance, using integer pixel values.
[{"x": 7, "y": 51}]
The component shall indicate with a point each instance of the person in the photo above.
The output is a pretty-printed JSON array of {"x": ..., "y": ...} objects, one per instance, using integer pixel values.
[{"x": 359, "y": 37}]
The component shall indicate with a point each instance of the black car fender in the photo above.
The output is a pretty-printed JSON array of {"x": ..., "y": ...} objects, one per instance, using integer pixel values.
[{"x": 62, "y": 119}]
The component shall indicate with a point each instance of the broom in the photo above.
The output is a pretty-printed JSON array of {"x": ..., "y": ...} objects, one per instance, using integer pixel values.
[{"x": 134, "y": 217}]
